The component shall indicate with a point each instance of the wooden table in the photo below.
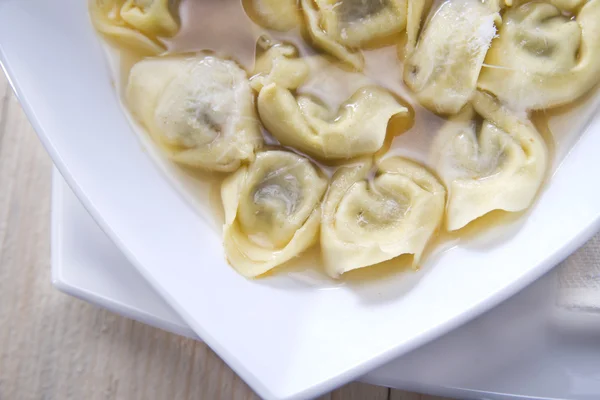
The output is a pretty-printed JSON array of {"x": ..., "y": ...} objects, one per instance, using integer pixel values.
[{"x": 56, "y": 347}]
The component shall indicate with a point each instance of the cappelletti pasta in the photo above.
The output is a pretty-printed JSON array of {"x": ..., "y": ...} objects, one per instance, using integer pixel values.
[
  {"x": 272, "y": 211},
  {"x": 136, "y": 24},
  {"x": 370, "y": 216},
  {"x": 199, "y": 109},
  {"x": 499, "y": 165},
  {"x": 357, "y": 128},
  {"x": 280, "y": 15},
  {"x": 342, "y": 27},
  {"x": 444, "y": 67},
  {"x": 543, "y": 58}
]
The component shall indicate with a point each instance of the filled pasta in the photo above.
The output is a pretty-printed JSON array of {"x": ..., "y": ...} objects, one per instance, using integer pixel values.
[
  {"x": 136, "y": 24},
  {"x": 198, "y": 108},
  {"x": 358, "y": 127},
  {"x": 374, "y": 216},
  {"x": 272, "y": 211},
  {"x": 416, "y": 14},
  {"x": 279, "y": 15},
  {"x": 499, "y": 165},
  {"x": 342, "y": 27},
  {"x": 278, "y": 62},
  {"x": 444, "y": 67},
  {"x": 543, "y": 58}
]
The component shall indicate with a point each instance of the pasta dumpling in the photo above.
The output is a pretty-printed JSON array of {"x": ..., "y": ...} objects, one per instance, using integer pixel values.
[
  {"x": 568, "y": 5},
  {"x": 501, "y": 167},
  {"x": 279, "y": 63},
  {"x": 279, "y": 15},
  {"x": 444, "y": 67},
  {"x": 136, "y": 24},
  {"x": 371, "y": 217},
  {"x": 358, "y": 127},
  {"x": 272, "y": 211},
  {"x": 199, "y": 109},
  {"x": 341, "y": 26},
  {"x": 415, "y": 17},
  {"x": 542, "y": 58}
]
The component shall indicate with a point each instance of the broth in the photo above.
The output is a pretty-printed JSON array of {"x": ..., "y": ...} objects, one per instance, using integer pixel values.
[{"x": 225, "y": 28}]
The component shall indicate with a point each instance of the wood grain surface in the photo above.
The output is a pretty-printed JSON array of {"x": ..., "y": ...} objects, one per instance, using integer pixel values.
[{"x": 54, "y": 347}]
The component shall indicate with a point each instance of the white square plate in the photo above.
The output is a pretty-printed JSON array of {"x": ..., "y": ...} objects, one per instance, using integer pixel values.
[
  {"x": 553, "y": 353},
  {"x": 286, "y": 339}
]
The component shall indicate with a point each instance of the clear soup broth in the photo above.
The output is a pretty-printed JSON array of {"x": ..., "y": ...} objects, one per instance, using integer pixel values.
[{"x": 225, "y": 28}]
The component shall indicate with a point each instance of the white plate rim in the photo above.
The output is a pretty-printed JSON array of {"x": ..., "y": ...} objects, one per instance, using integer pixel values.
[{"x": 96, "y": 296}]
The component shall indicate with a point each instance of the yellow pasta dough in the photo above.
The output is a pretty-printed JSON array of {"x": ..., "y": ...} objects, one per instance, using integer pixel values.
[
  {"x": 341, "y": 26},
  {"x": 279, "y": 15},
  {"x": 358, "y": 127},
  {"x": 415, "y": 17},
  {"x": 444, "y": 67},
  {"x": 198, "y": 108},
  {"x": 272, "y": 211},
  {"x": 136, "y": 24},
  {"x": 278, "y": 63},
  {"x": 499, "y": 167},
  {"x": 543, "y": 58},
  {"x": 374, "y": 216}
]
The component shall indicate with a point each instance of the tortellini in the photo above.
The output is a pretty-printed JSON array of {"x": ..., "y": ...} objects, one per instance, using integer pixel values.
[
  {"x": 501, "y": 167},
  {"x": 279, "y": 15},
  {"x": 542, "y": 58},
  {"x": 340, "y": 27},
  {"x": 358, "y": 127},
  {"x": 136, "y": 24},
  {"x": 199, "y": 108},
  {"x": 415, "y": 17},
  {"x": 278, "y": 63},
  {"x": 444, "y": 67},
  {"x": 371, "y": 217},
  {"x": 272, "y": 211},
  {"x": 568, "y": 5}
]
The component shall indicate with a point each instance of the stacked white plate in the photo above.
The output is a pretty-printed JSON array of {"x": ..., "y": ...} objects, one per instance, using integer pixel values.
[{"x": 528, "y": 347}]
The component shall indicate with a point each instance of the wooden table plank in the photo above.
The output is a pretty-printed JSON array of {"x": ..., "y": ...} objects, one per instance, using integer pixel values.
[{"x": 54, "y": 347}]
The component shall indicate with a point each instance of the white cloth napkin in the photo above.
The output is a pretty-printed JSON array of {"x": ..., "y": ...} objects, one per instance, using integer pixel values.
[{"x": 579, "y": 279}]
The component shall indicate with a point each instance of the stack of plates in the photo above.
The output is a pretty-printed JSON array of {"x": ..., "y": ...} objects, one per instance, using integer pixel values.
[{"x": 526, "y": 347}]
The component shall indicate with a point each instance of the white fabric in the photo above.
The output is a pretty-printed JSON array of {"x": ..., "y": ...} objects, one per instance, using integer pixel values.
[{"x": 579, "y": 278}]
